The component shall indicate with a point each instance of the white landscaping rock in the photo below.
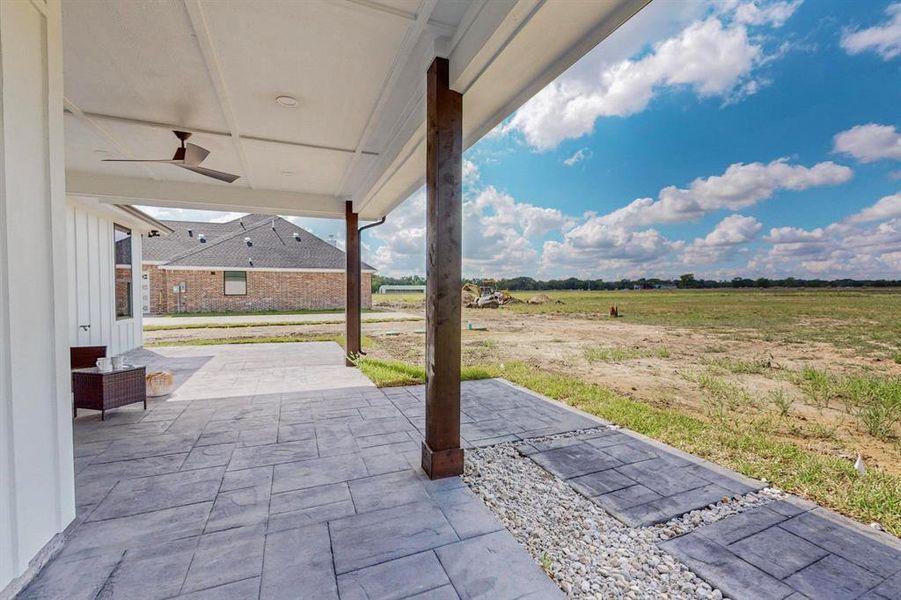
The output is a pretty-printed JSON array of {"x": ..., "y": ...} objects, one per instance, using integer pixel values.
[{"x": 586, "y": 551}]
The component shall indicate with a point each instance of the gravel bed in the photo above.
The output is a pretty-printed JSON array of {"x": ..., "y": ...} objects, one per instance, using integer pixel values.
[{"x": 586, "y": 551}]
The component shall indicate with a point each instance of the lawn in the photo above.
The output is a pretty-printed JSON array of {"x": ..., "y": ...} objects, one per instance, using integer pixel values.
[
  {"x": 865, "y": 320},
  {"x": 261, "y": 339}
]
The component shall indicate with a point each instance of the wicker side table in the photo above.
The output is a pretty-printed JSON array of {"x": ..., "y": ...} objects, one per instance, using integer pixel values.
[{"x": 101, "y": 390}]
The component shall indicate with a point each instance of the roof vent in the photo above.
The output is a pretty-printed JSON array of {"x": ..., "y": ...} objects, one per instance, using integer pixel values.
[
  {"x": 273, "y": 224},
  {"x": 296, "y": 236},
  {"x": 202, "y": 238},
  {"x": 190, "y": 233},
  {"x": 250, "y": 261},
  {"x": 248, "y": 241}
]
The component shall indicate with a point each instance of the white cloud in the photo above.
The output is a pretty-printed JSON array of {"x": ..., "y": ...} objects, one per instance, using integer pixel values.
[
  {"x": 740, "y": 186},
  {"x": 869, "y": 143},
  {"x": 887, "y": 207},
  {"x": 189, "y": 214},
  {"x": 593, "y": 248},
  {"x": 838, "y": 250},
  {"x": 498, "y": 235},
  {"x": 729, "y": 234},
  {"x": 774, "y": 14},
  {"x": 579, "y": 156},
  {"x": 883, "y": 39},
  {"x": 470, "y": 172},
  {"x": 715, "y": 56},
  {"x": 401, "y": 240}
]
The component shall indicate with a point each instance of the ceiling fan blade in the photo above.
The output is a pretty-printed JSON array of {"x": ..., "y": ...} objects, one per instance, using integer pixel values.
[
  {"x": 145, "y": 160},
  {"x": 195, "y": 154},
  {"x": 220, "y": 175}
]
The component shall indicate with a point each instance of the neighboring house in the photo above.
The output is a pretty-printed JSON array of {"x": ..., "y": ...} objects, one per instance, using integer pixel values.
[
  {"x": 253, "y": 263},
  {"x": 104, "y": 269}
]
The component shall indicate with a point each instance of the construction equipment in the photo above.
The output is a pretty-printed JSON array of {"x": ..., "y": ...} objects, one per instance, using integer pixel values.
[{"x": 485, "y": 295}]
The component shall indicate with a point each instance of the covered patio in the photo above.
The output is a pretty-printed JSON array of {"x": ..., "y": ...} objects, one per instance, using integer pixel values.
[{"x": 281, "y": 472}]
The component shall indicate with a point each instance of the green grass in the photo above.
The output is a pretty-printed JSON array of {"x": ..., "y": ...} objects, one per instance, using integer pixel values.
[
  {"x": 614, "y": 355},
  {"x": 875, "y": 400},
  {"x": 740, "y": 366},
  {"x": 863, "y": 320},
  {"x": 257, "y": 324},
  {"x": 733, "y": 443},
  {"x": 737, "y": 443},
  {"x": 391, "y": 373},
  {"x": 271, "y": 339}
]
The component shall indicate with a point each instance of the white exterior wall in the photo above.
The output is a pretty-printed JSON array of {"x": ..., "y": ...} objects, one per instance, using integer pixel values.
[
  {"x": 92, "y": 293},
  {"x": 37, "y": 492}
]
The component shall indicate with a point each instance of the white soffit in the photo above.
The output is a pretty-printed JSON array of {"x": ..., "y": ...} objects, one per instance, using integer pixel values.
[{"x": 134, "y": 70}]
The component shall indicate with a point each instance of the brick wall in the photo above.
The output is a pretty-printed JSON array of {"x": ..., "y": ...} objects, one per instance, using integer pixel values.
[
  {"x": 123, "y": 292},
  {"x": 266, "y": 290}
]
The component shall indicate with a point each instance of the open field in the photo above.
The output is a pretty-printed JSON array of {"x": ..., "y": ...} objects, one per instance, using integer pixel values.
[{"x": 788, "y": 385}]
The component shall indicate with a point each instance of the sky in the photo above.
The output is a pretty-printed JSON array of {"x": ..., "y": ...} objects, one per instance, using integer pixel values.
[{"x": 730, "y": 138}]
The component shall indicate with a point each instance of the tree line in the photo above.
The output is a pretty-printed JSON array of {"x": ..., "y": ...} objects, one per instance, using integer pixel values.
[{"x": 685, "y": 281}]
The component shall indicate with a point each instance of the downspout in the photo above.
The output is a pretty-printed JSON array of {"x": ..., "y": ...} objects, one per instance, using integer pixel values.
[{"x": 360, "y": 231}]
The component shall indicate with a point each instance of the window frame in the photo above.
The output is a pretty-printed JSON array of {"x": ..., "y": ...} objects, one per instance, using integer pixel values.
[
  {"x": 225, "y": 275},
  {"x": 131, "y": 268}
]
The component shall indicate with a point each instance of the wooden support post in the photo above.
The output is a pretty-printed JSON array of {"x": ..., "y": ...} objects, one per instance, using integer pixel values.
[
  {"x": 352, "y": 285},
  {"x": 441, "y": 452}
]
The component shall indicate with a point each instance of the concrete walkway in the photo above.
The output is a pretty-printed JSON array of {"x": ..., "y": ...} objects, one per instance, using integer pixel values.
[
  {"x": 298, "y": 319},
  {"x": 791, "y": 549}
]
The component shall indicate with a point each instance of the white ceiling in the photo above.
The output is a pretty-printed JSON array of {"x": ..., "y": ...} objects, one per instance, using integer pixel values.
[{"x": 136, "y": 69}]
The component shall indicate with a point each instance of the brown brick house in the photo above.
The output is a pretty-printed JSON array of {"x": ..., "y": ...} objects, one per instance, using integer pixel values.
[{"x": 255, "y": 262}]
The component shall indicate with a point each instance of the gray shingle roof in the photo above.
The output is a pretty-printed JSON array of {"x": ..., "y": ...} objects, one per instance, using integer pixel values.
[{"x": 274, "y": 246}]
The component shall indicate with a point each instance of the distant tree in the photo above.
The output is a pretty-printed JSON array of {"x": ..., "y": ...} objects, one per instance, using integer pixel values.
[{"x": 687, "y": 281}]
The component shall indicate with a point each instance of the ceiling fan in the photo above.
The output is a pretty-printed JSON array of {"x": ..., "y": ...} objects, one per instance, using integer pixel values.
[{"x": 188, "y": 156}]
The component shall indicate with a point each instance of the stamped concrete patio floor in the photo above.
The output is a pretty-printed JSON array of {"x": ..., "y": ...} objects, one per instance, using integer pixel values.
[
  {"x": 275, "y": 472},
  {"x": 294, "y": 494}
]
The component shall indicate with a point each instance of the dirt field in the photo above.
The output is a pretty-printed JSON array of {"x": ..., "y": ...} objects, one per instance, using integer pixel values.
[{"x": 819, "y": 368}]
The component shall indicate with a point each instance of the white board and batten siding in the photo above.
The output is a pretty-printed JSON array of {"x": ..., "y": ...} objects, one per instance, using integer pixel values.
[
  {"x": 92, "y": 294},
  {"x": 37, "y": 490}
]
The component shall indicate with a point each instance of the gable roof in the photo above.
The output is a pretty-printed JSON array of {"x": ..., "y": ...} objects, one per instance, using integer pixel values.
[{"x": 275, "y": 244}]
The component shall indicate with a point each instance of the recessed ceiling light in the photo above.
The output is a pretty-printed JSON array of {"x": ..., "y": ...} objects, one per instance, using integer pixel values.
[
  {"x": 287, "y": 173},
  {"x": 287, "y": 101}
]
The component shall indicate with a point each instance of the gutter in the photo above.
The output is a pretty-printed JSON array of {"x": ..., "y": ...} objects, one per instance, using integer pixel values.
[
  {"x": 142, "y": 216},
  {"x": 359, "y": 231}
]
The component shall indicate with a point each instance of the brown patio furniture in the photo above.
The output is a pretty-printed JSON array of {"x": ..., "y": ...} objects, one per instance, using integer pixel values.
[
  {"x": 102, "y": 390},
  {"x": 83, "y": 357}
]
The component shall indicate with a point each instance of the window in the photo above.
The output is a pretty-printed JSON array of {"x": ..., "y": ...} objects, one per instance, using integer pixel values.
[
  {"x": 235, "y": 283},
  {"x": 123, "y": 277}
]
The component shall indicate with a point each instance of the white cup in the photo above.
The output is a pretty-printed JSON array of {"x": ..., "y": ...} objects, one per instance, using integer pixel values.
[
  {"x": 118, "y": 362},
  {"x": 105, "y": 364}
]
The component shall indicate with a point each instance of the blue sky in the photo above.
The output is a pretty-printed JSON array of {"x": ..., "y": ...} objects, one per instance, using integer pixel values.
[{"x": 729, "y": 138}]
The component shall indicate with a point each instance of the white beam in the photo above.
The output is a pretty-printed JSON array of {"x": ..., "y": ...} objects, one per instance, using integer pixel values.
[
  {"x": 116, "y": 189},
  {"x": 93, "y": 118},
  {"x": 214, "y": 68},
  {"x": 79, "y": 114},
  {"x": 400, "y": 61}
]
